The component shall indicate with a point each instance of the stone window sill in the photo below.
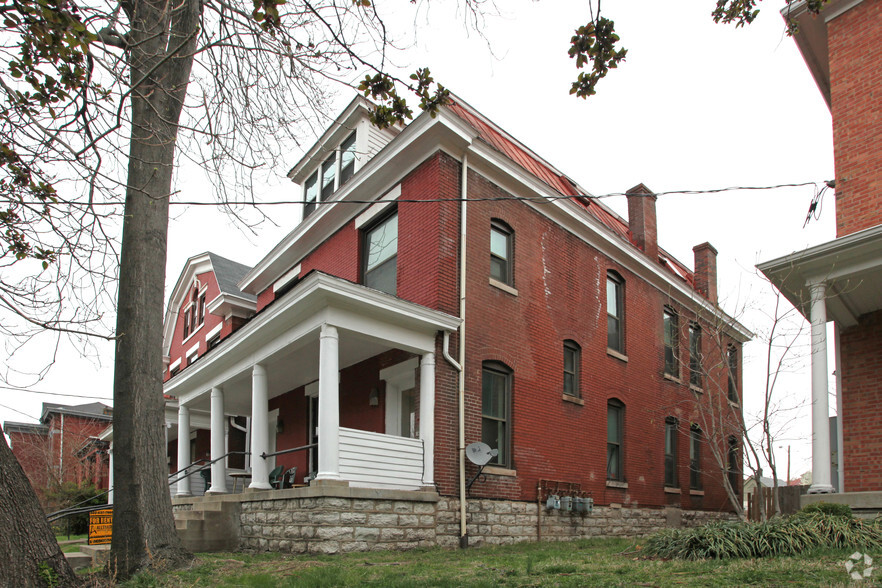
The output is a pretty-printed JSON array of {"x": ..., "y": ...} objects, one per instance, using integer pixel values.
[
  {"x": 498, "y": 471},
  {"x": 573, "y": 399},
  {"x": 617, "y": 355},
  {"x": 674, "y": 379},
  {"x": 696, "y": 492},
  {"x": 670, "y": 490},
  {"x": 616, "y": 484},
  {"x": 503, "y": 287}
]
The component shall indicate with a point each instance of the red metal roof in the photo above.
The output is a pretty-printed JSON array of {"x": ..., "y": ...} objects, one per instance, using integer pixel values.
[{"x": 532, "y": 163}]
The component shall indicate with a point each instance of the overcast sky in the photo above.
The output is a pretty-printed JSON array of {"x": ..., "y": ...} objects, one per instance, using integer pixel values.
[{"x": 696, "y": 106}]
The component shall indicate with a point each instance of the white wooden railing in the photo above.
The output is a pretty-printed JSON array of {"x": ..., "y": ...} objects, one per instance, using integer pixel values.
[{"x": 375, "y": 460}]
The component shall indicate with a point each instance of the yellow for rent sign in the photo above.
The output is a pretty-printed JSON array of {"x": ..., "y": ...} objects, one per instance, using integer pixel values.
[{"x": 100, "y": 526}]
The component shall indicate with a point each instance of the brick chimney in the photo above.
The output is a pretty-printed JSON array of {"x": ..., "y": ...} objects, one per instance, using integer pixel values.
[
  {"x": 706, "y": 271},
  {"x": 641, "y": 220}
]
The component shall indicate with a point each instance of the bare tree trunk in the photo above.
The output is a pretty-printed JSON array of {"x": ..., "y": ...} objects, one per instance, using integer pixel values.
[
  {"x": 29, "y": 554},
  {"x": 160, "y": 59}
]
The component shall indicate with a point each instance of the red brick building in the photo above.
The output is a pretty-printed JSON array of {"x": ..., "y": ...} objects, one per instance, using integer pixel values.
[
  {"x": 840, "y": 281},
  {"x": 448, "y": 286},
  {"x": 63, "y": 446}
]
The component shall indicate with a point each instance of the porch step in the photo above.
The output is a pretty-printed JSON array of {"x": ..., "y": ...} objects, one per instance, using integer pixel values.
[
  {"x": 78, "y": 560},
  {"x": 98, "y": 553},
  {"x": 210, "y": 526}
]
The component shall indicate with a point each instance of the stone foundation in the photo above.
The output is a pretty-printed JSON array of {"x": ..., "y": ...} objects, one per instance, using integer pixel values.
[{"x": 343, "y": 519}]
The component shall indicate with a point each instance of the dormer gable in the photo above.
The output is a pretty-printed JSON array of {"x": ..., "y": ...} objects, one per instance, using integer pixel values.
[
  {"x": 345, "y": 147},
  {"x": 205, "y": 305}
]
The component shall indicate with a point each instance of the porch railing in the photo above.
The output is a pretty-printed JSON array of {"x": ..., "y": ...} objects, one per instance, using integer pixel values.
[{"x": 376, "y": 460}]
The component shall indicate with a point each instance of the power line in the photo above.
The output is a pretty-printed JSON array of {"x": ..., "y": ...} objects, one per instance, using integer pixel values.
[
  {"x": 19, "y": 412},
  {"x": 480, "y": 199},
  {"x": 54, "y": 393}
]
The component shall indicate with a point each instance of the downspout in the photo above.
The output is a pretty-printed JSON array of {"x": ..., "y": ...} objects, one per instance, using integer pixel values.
[
  {"x": 61, "y": 452},
  {"x": 463, "y": 529}
]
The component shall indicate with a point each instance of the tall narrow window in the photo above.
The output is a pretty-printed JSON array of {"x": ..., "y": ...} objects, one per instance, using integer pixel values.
[
  {"x": 695, "y": 458},
  {"x": 186, "y": 323},
  {"x": 310, "y": 195},
  {"x": 732, "y": 362},
  {"x": 496, "y": 411},
  {"x": 615, "y": 429},
  {"x": 695, "y": 356},
  {"x": 202, "y": 309},
  {"x": 734, "y": 472},
  {"x": 501, "y": 252},
  {"x": 381, "y": 255},
  {"x": 571, "y": 360},
  {"x": 347, "y": 159},
  {"x": 615, "y": 312},
  {"x": 671, "y": 335},
  {"x": 671, "y": 452},
  {"x": 329, "y": 171}
]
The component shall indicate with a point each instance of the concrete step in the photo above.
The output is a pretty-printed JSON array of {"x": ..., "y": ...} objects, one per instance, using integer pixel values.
[
  {"x": 98, "y": 553},
  {"x": 78, "y": 560}
]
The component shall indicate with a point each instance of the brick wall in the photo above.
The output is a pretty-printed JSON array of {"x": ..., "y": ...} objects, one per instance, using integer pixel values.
[
  {"x": 855, "y": 49},
  {"x": 560, "y": 284},
  {"x": 561, "y": 294},
  {"x": 861, "y": 348},
  {"x": 179, "y": 346}
]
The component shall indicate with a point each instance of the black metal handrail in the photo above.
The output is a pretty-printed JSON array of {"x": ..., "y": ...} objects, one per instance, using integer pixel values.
[{"x": 292, "y": 450}]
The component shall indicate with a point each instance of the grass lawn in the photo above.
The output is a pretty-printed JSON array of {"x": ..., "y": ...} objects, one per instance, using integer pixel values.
[{"x": 581, "y": 563}]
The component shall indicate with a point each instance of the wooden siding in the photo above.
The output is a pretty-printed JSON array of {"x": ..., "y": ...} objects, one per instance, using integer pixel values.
[{"x": 375, "y": 460}]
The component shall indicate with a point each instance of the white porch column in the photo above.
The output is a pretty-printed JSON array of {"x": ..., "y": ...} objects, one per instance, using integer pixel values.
[
  {"x": 259, "y": 428},
  {"x": 218, "y": 467},
  {"x": 329, "y": 405},
  {"x": 183, "y": 449},
  {"x": 110, "y": 474},
  {"x": 820, "y": 412},
  {"x": 427, "y": 416}
]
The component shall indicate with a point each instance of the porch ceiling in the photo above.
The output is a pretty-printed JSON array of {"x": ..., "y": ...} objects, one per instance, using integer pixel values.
[
  {"x": 285, "y": 339},
  {"x": 851, "y": 266}
]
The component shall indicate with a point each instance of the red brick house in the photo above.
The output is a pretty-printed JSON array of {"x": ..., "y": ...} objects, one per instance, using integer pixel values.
[
  {"x": 448, "y": 286},
  {"x": 64, "y": 446},
  {"x": 840, "y": 280}
]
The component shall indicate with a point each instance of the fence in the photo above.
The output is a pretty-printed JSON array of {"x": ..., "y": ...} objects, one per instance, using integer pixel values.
[{"x": 788, "y": 498}]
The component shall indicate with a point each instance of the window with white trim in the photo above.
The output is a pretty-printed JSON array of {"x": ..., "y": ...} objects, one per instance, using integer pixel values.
[
  {"x": 380, "y": 253},
  {"x": 501, "y": 252}
]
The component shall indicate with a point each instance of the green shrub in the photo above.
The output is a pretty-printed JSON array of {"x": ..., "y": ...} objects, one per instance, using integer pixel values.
[
  {"x": 839, "y": 510},
  {"x": 67, "y": 495},
  {"x": 780, "y": 536}
]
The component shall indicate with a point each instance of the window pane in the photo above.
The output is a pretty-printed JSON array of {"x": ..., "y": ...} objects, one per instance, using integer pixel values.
[
  {"x": 499, "y": 243},
  {"x": 495, "y": 390},
  {"x": 498, "y": 269},
  {"x": 347, "y": 159},
  {"x": 494, "y": 395},
  {"x": 310, "y": 194},
  {"x": 382, "y": 242},
  {"x": 612, "y": 462},
  {"x": 329, "y": 170},
  {"x": 384, "y": 277},
  {"x": 612, "y": 424},
  {"x": 612, "y": 298},
  {"x": 612, "y": 333}
]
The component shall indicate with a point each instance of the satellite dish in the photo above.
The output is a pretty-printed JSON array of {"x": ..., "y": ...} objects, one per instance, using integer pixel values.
[{"x": 480, "y": 453}]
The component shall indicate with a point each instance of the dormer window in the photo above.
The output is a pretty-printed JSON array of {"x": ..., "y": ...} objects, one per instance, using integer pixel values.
[
  {"x": 329, "y": 173},
  {"x": 347, "y": 159},
  {"x": 334, "y": 171}
]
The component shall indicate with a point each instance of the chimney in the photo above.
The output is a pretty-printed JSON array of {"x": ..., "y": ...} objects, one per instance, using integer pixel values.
[
  {"x": 706, "y": 271},
  {"x": 641, "y": 220}
]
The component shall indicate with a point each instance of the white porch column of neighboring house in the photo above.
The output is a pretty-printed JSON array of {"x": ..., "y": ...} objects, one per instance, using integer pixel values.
[
  {"x": 183, "y": 449},
  {"x": 329, "y": 405},
  {"x": 218, "y": 445},
  {"x": 259, "y": 428},
  {"x": 110, "y": 473},
  {"x": 427, "y": 416},
  {"x": 820, "y": 412}
]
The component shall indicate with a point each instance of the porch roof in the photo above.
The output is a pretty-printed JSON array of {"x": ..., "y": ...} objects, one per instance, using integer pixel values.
[
  {"x": 284, "y": 337},
  {"x": 851, "y": 266}
]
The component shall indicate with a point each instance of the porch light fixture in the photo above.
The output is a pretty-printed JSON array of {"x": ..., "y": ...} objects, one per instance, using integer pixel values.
[
  {"x": 280, "y": 426},
  {"x": 374, "y": 398}
]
